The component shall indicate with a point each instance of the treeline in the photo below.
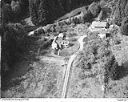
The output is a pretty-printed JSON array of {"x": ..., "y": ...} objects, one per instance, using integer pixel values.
[
  {"x": 42, "y": 12},
  {"x": 14, "y": 10},
  {"x": 46, "y": 11},
  {"x": 121, "y": 15}
]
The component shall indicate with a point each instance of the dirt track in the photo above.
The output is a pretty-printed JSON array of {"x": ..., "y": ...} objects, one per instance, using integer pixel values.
[{"x": 68, "y": 69}]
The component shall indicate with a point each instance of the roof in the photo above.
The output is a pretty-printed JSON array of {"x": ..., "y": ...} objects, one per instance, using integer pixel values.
[{"x": 98, "y": 24}]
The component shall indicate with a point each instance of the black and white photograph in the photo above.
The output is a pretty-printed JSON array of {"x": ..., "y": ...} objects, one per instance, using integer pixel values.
[{"x": 64, "y": 49}]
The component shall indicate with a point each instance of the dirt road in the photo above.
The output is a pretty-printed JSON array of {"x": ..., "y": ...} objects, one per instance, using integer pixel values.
[{"x": 68, "y": 69}]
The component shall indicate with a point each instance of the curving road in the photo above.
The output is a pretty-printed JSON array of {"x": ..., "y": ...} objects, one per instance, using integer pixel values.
[{"x": 68, "y": 69}]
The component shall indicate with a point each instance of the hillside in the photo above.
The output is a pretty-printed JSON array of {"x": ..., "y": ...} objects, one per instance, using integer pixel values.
[{"x": 92, "y": 60}]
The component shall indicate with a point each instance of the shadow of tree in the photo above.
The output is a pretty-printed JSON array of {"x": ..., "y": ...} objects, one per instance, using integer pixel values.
[
  {"x": 22, "y": 59},
  {"x": 122, "y": 71},
  {"x": 7, "y": 83}
]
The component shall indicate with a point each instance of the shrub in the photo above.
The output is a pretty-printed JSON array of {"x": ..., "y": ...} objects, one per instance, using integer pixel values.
[
  {"x": 7, "y": 14},
  {"x": 102, "y": 3},
  {"x": 16, "y": 9},
  {"x": 124, "y": 29},
  {"x": 21, "y": 9},
  {"x": 124, "y": 26},
  {"x": 88, "y": 17},
  {"x": 124, "y": 21},
  {"x": 33, "y": 11},
  {"x": 120, "y": 11},
  {"x": 126, "y": 10},
  {"x": 117, "y": 17},
  {"x": 95, "y": 9},
  {"x": 111, "y": 69}
]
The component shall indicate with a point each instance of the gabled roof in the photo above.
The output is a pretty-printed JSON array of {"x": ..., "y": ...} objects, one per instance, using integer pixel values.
[{"x": 98, "y": 24}]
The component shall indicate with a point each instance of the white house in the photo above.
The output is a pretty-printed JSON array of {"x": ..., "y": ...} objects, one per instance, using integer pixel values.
[{"x": 98, "y": 26}]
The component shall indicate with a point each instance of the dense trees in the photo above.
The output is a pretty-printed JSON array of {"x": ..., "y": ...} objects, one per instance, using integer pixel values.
[
  {"x": 14, "y": 10},
  {"x": 98, "y": 58},
  {"x": 46, "y": 11},
  {"x": 124, "y": 29},
  {"x": 6, "y": 13},
  {"x": 42, "y": 11},
  {"x": 6, "y": 1},
  {"x": 14, "y": 44},
  {"x": 95, "y": 9},
  {"x": 121, "y": 15},
  {"x": 120, "y": 11}
]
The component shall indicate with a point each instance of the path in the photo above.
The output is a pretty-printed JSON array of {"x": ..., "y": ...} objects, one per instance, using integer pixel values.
[{"x": 67, "y": 72}]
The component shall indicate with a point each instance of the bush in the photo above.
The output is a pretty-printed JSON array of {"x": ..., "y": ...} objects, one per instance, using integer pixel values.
[
  {"x": 120, "y": 11},
  {"x": 16, "y": 9},
  {"x": 88, "y": 17},
  {"x": 7, "y": 14},
  {"x": 111, "y": 69},
  {"x": 33, "y": 11},
  {"x": 126, "y": 10},
  {"x": 102, "y": 3},
  {"x": 124, "y": 26},
  {"x": 124, "y": 21},
  {"x": 95, "y": 9},
  {"x": 44, "y": 16},
  {"x": 117, "y": 17},
  {"x": 21, "y": 9},
  {"x": 124, "y": 29}
]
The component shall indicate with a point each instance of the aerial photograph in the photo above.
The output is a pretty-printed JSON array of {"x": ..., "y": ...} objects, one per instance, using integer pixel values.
[{"x": 64, "y": 49}]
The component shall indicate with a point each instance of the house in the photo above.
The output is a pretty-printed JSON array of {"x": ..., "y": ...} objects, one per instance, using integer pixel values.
[
  {"x": 98, "y": 26},
  {"x": 59, "y": 43}
]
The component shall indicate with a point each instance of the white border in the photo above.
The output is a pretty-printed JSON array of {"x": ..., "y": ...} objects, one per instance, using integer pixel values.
[{"x": 65, "y": 100}]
